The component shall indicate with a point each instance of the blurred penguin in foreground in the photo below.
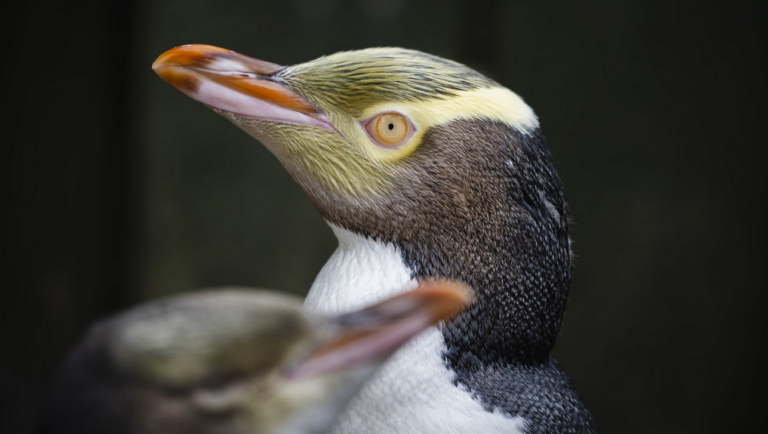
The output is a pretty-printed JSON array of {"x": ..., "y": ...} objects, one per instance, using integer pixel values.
[{"x": 233, "y": 362}]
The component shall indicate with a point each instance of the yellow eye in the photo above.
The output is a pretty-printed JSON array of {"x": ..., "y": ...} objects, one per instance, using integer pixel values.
[{"x": 389, "y": 129}]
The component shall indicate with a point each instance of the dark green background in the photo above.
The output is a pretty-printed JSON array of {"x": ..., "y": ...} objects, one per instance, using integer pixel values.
[{"x": 119, "y": 189}]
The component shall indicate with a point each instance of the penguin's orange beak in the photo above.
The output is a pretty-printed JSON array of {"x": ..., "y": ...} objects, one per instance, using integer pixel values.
[
  {"x": 376, "y": 332},
  {"x": 235, "y": 83}
]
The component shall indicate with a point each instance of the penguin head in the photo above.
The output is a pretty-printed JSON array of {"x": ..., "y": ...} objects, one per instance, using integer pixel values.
[
  {"x": 233, "y": 362},
  {"x": 418, "y": 151},
  {"x": 347, "y": 126}
]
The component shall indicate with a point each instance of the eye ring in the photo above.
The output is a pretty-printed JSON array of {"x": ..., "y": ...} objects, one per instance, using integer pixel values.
[{"x": 389, "y": 130}]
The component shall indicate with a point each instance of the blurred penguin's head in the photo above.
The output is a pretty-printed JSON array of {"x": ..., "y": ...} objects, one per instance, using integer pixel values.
[{"x": 233, "y": 362}]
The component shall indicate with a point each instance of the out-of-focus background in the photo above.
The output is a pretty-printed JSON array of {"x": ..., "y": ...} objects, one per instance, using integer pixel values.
[{"x": 117, "y": 188}]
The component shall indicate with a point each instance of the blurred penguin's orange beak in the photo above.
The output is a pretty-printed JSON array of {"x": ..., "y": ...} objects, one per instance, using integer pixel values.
[{"x": 376, "y": 332}]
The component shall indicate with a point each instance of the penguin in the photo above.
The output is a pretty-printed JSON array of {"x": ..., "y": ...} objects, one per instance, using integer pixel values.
[
  {"x": 423, "y": 168},
  {"x": 233, "y": 361}
]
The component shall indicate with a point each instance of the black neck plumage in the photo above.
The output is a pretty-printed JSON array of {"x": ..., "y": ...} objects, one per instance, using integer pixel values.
[
  {"x": 481, "y": 202},
  {"x": 514, "y": 252}
]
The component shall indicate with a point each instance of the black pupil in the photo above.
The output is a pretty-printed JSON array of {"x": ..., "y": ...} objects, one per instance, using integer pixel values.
[{"x": 391, "y": 126}]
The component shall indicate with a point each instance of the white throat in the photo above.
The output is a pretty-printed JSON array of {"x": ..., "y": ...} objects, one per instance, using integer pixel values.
[
  {"x": 360, "y": 272},
  {"x": 413, "y": 392}
]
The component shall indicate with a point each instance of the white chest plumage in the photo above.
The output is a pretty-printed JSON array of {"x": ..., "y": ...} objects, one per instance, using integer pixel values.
[{"x": 413, "y": 392}]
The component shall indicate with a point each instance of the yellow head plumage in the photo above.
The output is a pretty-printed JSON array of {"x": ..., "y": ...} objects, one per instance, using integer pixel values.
[{"x": 346, "y": 90}]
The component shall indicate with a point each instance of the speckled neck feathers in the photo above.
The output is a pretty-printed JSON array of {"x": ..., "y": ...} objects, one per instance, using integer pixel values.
[{"x": 482, "y": 203}]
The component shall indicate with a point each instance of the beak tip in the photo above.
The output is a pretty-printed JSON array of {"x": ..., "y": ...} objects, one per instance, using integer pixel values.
[
  {"x": 446, "y": 298},
  {"x": 457, "y": 291},
  {"x": 163, "y": 60}
]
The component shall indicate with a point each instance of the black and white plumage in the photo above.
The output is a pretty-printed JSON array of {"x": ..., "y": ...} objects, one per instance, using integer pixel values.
[{"x": 470, "y": 192}]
